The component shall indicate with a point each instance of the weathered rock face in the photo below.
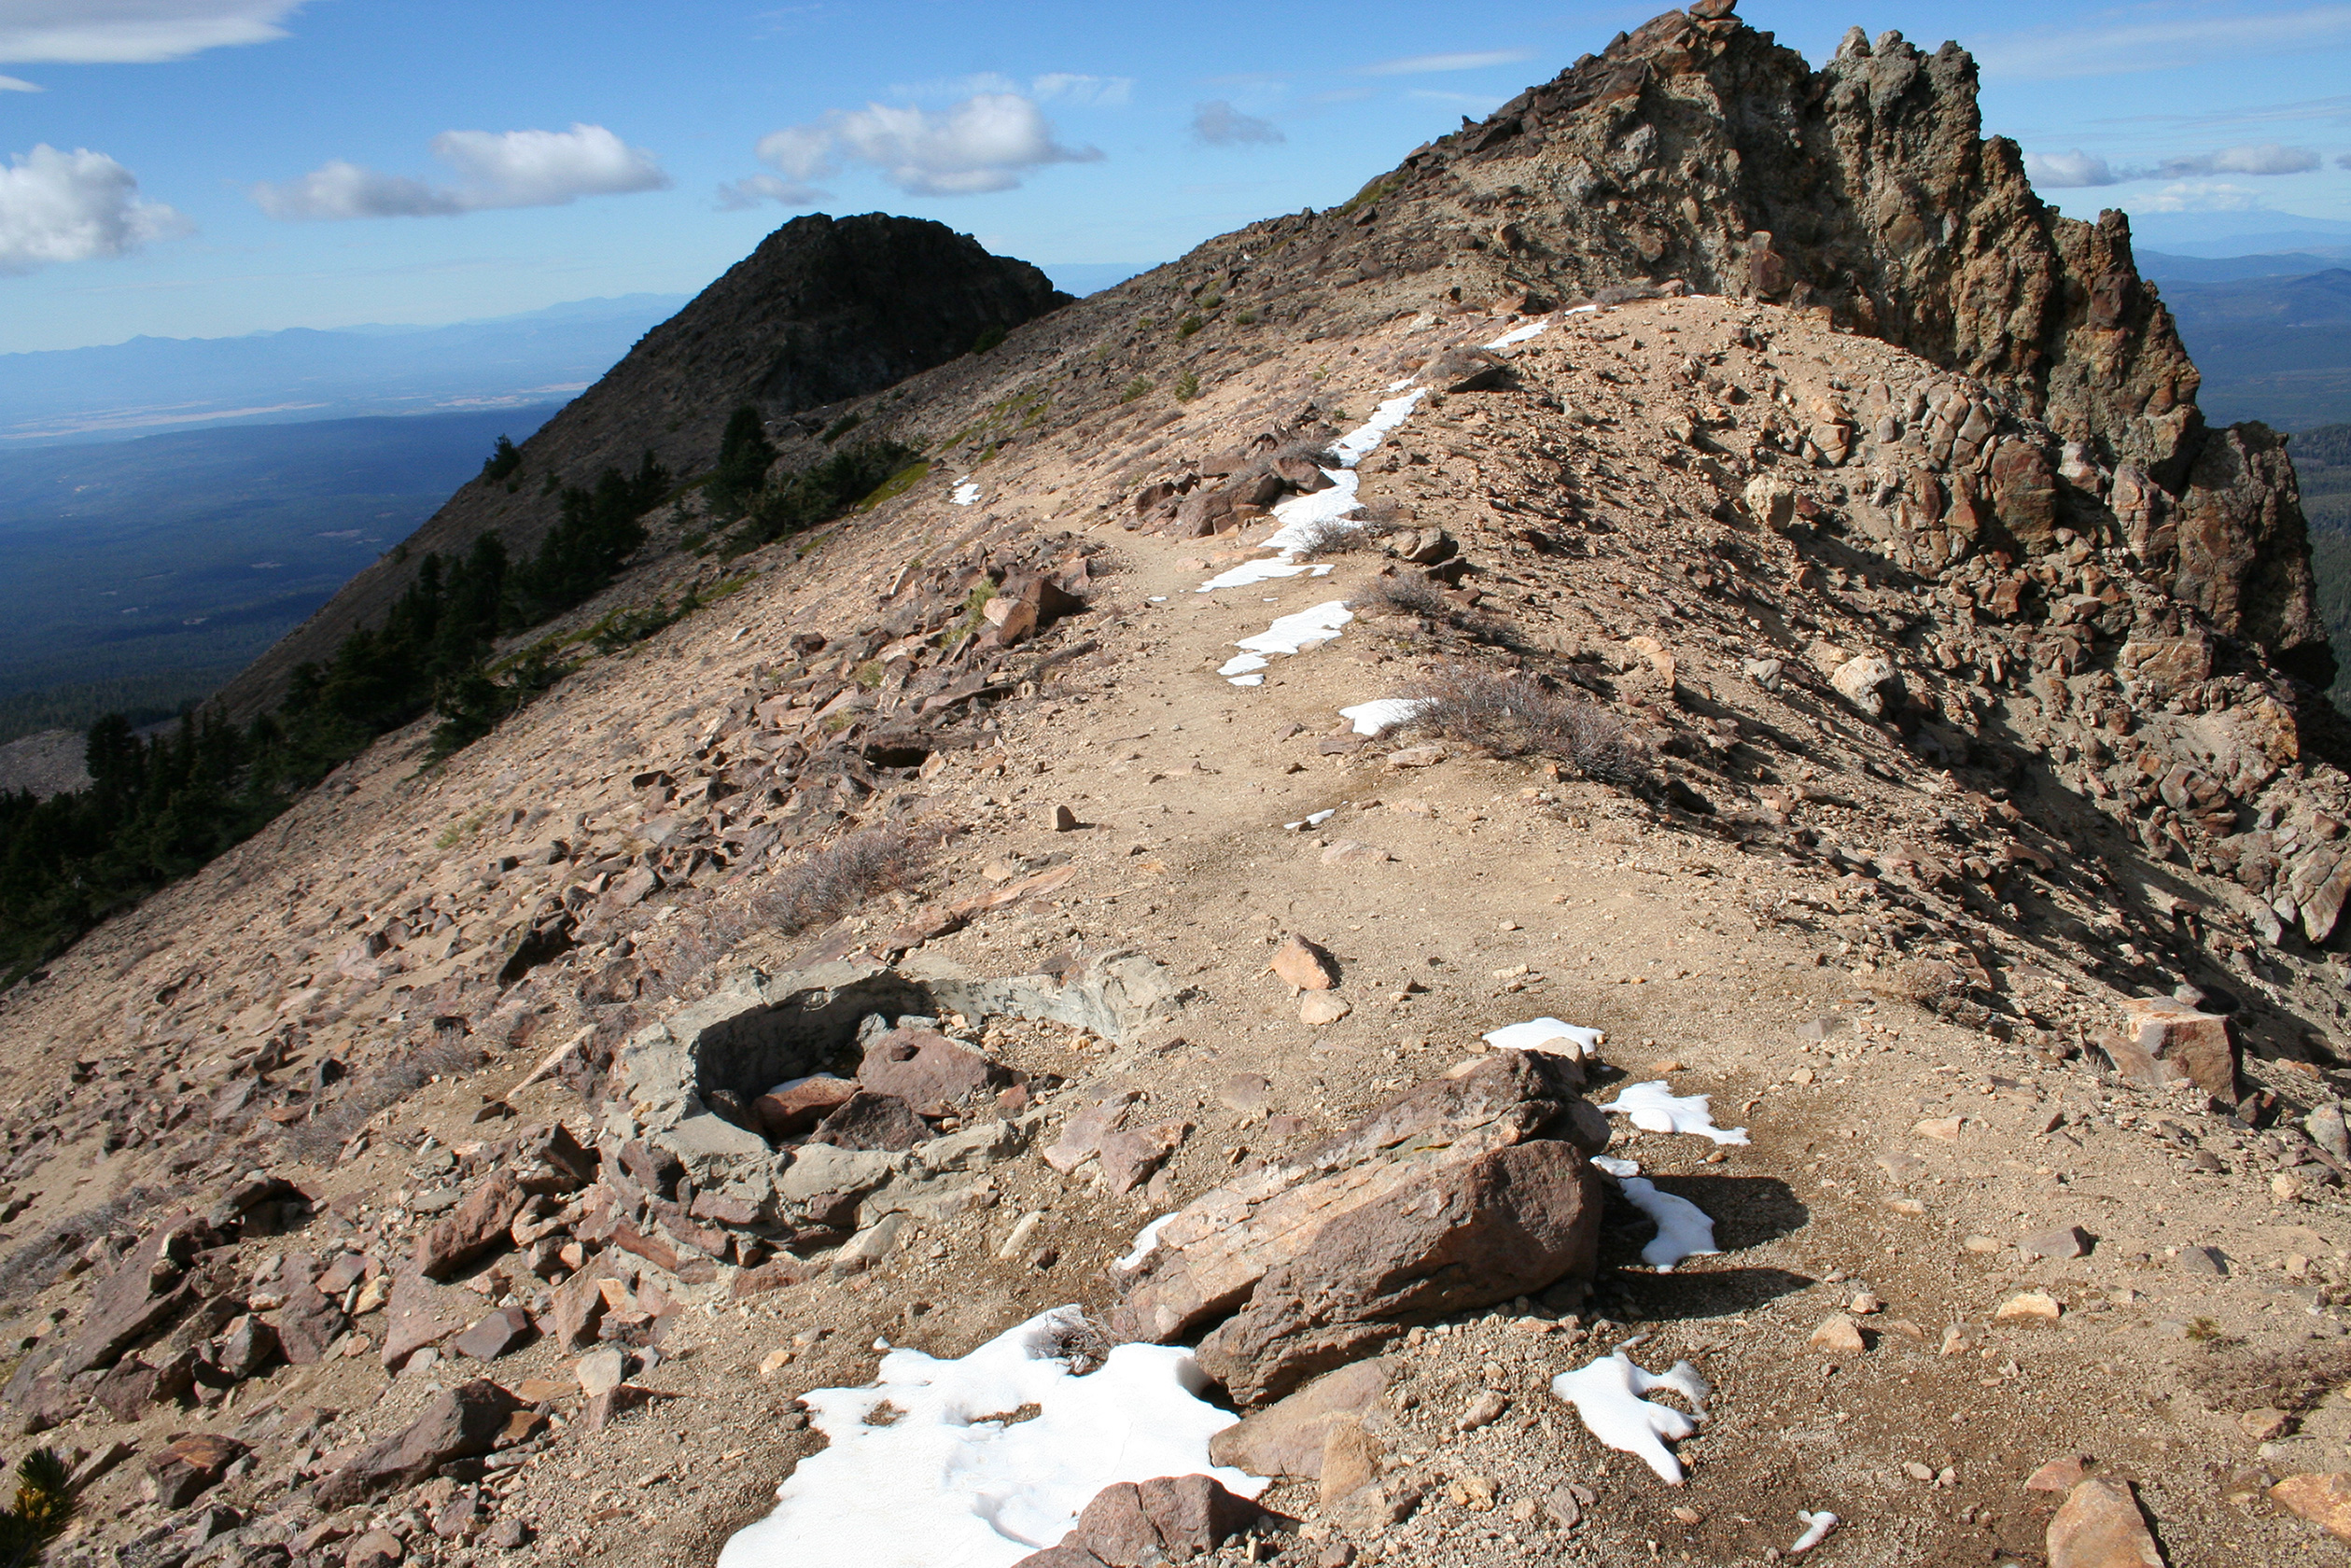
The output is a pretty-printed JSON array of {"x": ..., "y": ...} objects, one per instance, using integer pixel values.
[
  {"x": 1697, "y": 149},
  {"x": 1461, "y": 1193},
  {"x": 1173, "y": 1519},
  {"x": 824, "y": 309}
]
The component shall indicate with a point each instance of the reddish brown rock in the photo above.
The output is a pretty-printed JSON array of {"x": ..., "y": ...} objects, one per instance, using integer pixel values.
[
  {"x": 309, "y": 1322},
  {"x": 2324, "y": 1500},
  {"x": 2100, "y": 1526},
  {"x": 1511, "y": 1222},
  {"x": 1174, "y": 1518},
  {"x": 1130, "y": 1159},
  {"x": 1287, "y": 1437},
  {"x": 2170, "y": 1041},
  {"x": 1301, "y": 963},
  {"x": 788, "y": 1112},
  {"x": 927, "y": 1071},
  {"x": 509, "y": 1328},
  {"x": 418, "y": 1314},
  {"x": 459, "y": 1423},
  {"x": 867, "y": 1120},
  {"x": 189, "y": 1467},
  {"x": 482, "y": 1224}
]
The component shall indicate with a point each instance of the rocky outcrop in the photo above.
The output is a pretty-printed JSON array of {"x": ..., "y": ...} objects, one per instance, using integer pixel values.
[
  {"x": 1174, "y": 1518},
  {"x": 824, "y": 310}
]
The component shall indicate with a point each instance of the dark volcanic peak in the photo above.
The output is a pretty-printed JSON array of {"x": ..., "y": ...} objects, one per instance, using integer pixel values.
[{"x": 824, "y": 310}]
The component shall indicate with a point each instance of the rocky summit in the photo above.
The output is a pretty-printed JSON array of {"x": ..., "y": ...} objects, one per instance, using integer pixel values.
[{"x": 1626, "y": 853}]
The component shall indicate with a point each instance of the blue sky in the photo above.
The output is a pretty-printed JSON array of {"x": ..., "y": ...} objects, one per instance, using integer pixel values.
[{"x": 197, "y": 168}]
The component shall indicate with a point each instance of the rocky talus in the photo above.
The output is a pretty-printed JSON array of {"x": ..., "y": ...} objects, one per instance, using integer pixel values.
[{"x": 1384, "y": 768}]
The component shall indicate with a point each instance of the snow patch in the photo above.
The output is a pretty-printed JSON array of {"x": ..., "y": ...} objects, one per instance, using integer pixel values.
[
  {"x": 1146, "y": 1242},
  {"x": 1362, "y": 441},
  {"x": 1386, "y": 713},
  {"x": 1291, "y": 634},
  {"x": 944, "y": 1486},
  {"x": 1609, "y": 1399},
  {"x": 1313, "y": 820},
  {"x": 1654, "y": 1108},
  {"x": 1520, "y": 334},
  {"x": 965, "y": 494},
  {"x": 1572, "y": 1041},
  {"x": 1249, "y": 572},
  {"x": 1815, "y": 1527},
  {"x": 1683, "y": 1229}
]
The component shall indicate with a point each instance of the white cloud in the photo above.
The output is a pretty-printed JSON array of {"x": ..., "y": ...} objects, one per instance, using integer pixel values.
[
  {"x": 2075, "y": 169},
  {"x": 13, "y": 84},
  {"x": 1413, "y": 65},
  {"x": 1084, "y": 93},
  {"x": 743, "y": 194},
  {"x": 2068, "y": 171},
  {"x": 496, "y": 169},
  {"x": 75, "y": 206},
  {"x": 133, "y": 32},
  {"x": 2203, "y": 196},
  {"x": 985, "y": 143},
  {"x": 2124, "y": 46},
  {"x": 1219, "y": 124},
  {"x": 2267, "y": 159}
]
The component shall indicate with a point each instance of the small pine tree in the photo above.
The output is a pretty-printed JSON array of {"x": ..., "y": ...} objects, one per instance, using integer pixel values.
[{"x": 745, "y": 456}]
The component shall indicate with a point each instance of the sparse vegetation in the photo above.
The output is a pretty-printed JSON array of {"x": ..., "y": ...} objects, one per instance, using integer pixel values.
[
  {"x": 745, "y": 456},
  {"x": 1517, "y": 716},
  {"x": 988, "y": 339},
  {"x": 502, "y": 462},
  {"x": 838, "y": 877},
  {"x": 1138, "y": 388},
  {"x": 841, "y": 427},
  {"x": 857, "y": 475},
  {"x": 323, "y": 1134},
  {"x": 1187, "y": 387},
  {"x": 43, "y": 1505},
  {"x": 1188, "y": 326}
]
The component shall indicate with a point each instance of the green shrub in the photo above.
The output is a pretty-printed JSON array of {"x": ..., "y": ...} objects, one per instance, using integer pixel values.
[
  {"x": 988, "y": 339},
  {"x": 1188, "y": 326},
  {"x": 745, "y": 456},
  {"x": 1136, "y": 388},
  {"x": 1189, "y": 387},
  {"x": 502, "y": 461},
  {"x": 817, "y": 495}
]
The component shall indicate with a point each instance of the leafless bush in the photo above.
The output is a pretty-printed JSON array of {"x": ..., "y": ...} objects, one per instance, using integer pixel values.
[
  {"x": 838, "y": 877},
  {"x": 1413, "y": 595},
  {"x": 1079, "y": 1343},
  {"x": 320, "y": 1137},
  {"x": 1515, "y": 716},
  {"x": 1328, "y": 536},
  {"x": 36, "y": 1263}
]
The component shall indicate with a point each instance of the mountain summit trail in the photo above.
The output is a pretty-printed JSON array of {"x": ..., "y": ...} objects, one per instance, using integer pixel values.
[{"x": 1626, "y": 854}]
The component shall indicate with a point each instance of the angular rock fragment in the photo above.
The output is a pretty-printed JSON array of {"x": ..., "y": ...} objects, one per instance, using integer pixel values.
[
  {"x": 1286, "y": 1437},
  {"x": 868, "y": 1120},
  {"x": 1174, "y": 1518},
  {"x": 930, "y": 1072},
  {"x": 458, "y": 1423},
  {"x": 1302, "y": 963},
  {"x": 1462, "y": 1192},
  {"x": 2100, "y": 1526}
]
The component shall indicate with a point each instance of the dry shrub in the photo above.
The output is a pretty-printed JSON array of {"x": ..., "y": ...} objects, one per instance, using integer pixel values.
[
  {"x": 37, "y": 1264},
  {"x": 1329, "y": 536},
  {"x": 1517, "y": 716},
  {"x": 1414, "y": 594},
  {"x": 320, "y": 1137},
  {"x": 838, "y": 877}
]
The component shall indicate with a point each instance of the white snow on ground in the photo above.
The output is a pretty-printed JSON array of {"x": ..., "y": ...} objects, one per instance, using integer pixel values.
[
  {"x": 1146, "y": 1242},
  {"x": 1386, "y": 713},
  {"x": 1312, "y": 820},
  {"x": 1362, "y": 441},
  {"x": 939, "y": 1486},
  {"x": 1608, "y": 1398},
  {"x": 1572, "y": 1041},
  {"x": 1249, "y": 572},
  {"x": 1654, "y": 1108},
  {"x": 1520, "y": 334},
  {"x": 965, "y": 494},
  {"x": 1683, "y": 1228},
  {"x": 1815, "y": 1526},
  {"x": 1291, "y": 634}
]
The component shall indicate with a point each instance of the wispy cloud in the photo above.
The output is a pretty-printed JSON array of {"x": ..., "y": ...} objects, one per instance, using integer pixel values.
[
  {"x": 496, "y": 170},
  {"x": 2343, "y": 160},
  {"x": 1073, "y": 88},
  {"x": 75, "y": 206},
  {"x": 983, "y": 144},
  {"x": 2124, "y": 46},
  {"x": 758, "y": 189},
  {"x": 133, "y": 32},
  {"x": 1416, "y": 64},
  {"x": 1219, "y": 124},
  {"x": 1437, "y": 95},
  {"x": 2203, "y": 196},
  {"x": 2065, "y": 170},
  {"x": 13, "y": 84}
]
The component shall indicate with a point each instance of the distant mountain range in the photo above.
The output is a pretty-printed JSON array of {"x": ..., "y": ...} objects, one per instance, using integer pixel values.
[
  {"x": 156, "y": 383},
  {"x": 2276, "y": 349},
  {"x": 140, "y": 574}
]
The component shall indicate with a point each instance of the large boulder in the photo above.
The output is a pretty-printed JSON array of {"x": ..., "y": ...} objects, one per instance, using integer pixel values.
[
  {"x": 1173, "y": 1519},
  {"x": 1401, "y": 1218},
  {"x": 459, "y": 1423}
]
